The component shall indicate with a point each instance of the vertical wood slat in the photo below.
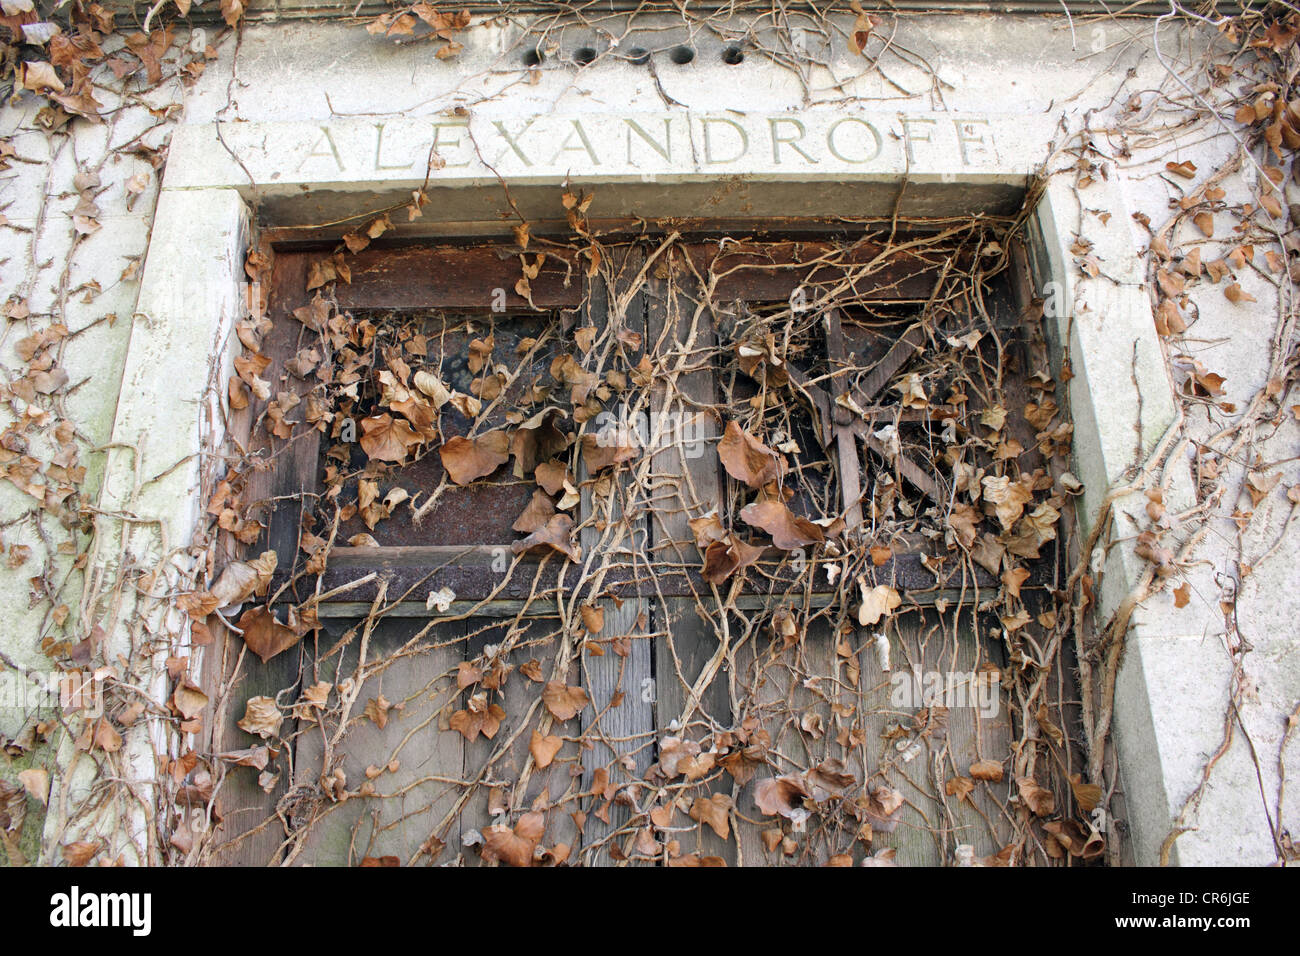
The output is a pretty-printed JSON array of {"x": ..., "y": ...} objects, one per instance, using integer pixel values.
[
  {"x": 291, "y": 469},
  {"x": 410, "y": 803},
  {"x": 782, "y": 686},
  {"x": 846, "y": 446},
  {"x": 970, "y": 736},
  {"x": 624, "y": 730},
  {"x": 688, "y": 485},
  {"x": 505, "y": 761}
]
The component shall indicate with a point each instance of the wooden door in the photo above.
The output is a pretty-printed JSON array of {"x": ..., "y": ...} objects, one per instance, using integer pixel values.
[{"x": 581, "y": 560}]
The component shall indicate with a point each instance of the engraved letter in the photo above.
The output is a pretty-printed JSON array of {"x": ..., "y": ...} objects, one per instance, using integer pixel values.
[
  {"x": 511, "y": 140},
  {"x": 965, "y": 137},
  {"x": 830, "y": 140},
  {"x": 910, "y": 137},
  {"x": 666, "y": 150},
  {"x": 792, "y": 141},
  {"x": 585, "y": 145},
  {"x": 456, "y": 143},
  {"x": 316, "y": 152},
  {"x": 706, "y": 124}
]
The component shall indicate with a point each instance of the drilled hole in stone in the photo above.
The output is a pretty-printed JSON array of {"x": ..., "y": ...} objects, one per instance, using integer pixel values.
[
  {"x": 584, "y": 55},
  {"x": 638, "y": 55},
  {"x": 733, "y": 55},
  {"x": 682, "y": 55},
  {"x": 533, "y": 57}
]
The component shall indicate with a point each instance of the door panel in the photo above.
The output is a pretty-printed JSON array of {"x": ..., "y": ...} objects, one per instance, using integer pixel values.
[{"x": 634, "y": 707}]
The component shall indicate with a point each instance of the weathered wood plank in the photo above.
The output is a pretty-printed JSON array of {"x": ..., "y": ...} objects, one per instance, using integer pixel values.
[
  {"x": 412, "y": 799},
  {"x": 506, "y": 781},
  {"x": 790, "y": 690},
  {"x": 356, "y": 583},
  {"x": 688, "y": 485},
  {"x": 618, "y": 727},
  {"x": 933, "y": 648},
  {"x": 770, "y": 271},
  {"x": 289, "y": 467}
]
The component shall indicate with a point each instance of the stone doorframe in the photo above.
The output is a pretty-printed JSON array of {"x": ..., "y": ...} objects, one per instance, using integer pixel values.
[{"x": 730, "y": 167}]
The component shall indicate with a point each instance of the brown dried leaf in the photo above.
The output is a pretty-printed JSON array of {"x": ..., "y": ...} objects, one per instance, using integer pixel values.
[
  {"x": 877, "y": 602},
  {"x": 265, "y": 636},
  {"x": 478, "y": 717},
  {"x": 514, "y": 847},
  {"x": 747, "y": 459},
  {"x": 987, "y": 770},
  {"x": 724, "y": 558},
  {"x": 544, "y": 749},
  {"x": 780, "y": 795},
  {"x": 386, "y": 438},
  {"x": 788, "y": 530},
  {"x": 715, "y": 811},
  {"x": 468, "y": 459},
  {"x": 1038, "y": 799},
  {"x": 959, "y": 787},
  {"x": 1086, "y": 795},
  {"x": 262, "y": 717},
  {"x": 555, "y": 535},
  {"x": 539, "y": 511},
  {"x": 562, "y": 701}
]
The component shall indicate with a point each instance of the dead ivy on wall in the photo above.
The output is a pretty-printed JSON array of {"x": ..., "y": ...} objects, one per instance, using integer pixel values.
[
  {"x": 991, "y": 513},
  {"x": 1048, "y": 815}
]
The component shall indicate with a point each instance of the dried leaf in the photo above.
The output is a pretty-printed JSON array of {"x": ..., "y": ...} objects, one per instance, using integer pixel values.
[
  {"x": 788, "y": 530},
  {"x": 265, "y": 636},
  {"x": 555, "y": 535},
  {"x": 386, "y": 438},
  {"x": 544, "y": 749},
  {"x": 987, "y": 770},
  {"x": 780, "y": 795},
  {"x": 262, "y": 717},
  {"x": 877, "y": 602},
  {"x": 514, "y": 847},
  {"x": 747, "y": 459},
  {"x": 1038, "y": 799},
  {"x": 539, "y": 511},
  {"x": 478, "y": 717},
  {"x": 562, "y": 701},
  {"x": 469, "y": 459},
  {"x": 724, "y": 558},
  {"x": 715, "y": 811}
]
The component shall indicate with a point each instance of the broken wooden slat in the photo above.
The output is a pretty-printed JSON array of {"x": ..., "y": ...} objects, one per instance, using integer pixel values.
[
  {"x": 822, "y": 403},
  {"x": 850, "y": 471},
  {"x": 898, "y": 355}
]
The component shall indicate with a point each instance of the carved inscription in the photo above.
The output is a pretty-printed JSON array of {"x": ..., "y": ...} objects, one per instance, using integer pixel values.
[{"x": 645, "y": 144}]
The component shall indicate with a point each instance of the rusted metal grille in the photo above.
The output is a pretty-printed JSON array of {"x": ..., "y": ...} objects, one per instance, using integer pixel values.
[{"x": 449, "y": 292}]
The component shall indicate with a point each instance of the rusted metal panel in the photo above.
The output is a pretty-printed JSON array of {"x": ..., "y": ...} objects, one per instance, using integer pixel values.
[
  {"x": 771, "y": 271},
  {"x": 453, "y": 277}
]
